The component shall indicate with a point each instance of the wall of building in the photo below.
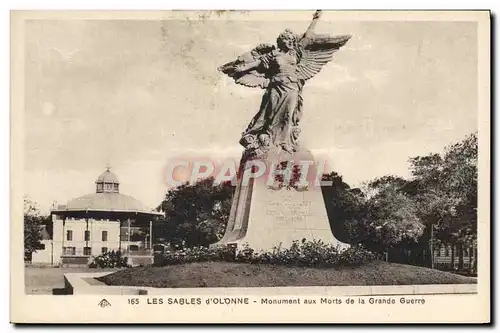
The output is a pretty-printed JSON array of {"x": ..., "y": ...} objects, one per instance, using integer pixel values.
[
  {"x": 112, "y": 242},
  {"x": 43, "y": 256},
  {"x": 78, "y": 227},
  {"x": 442, "y": 257}
]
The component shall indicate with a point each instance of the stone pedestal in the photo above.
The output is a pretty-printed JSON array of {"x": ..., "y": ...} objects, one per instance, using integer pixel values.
[{"x": 265, "y": 216}]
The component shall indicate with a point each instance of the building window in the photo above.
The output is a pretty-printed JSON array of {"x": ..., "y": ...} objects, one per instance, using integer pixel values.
[
  {"x": 69, "y": 235},
  {"x": 104, "y": 236},
  {"x": 466, "y": 252},
  {"x": 104, "y": 250},
  {"x": 42, "y": 246},
  {"x": 447, "y": 251},
  {"x": 115, "y": 187},
  {"x": 133, "y": 248},
  {"x": 87, "y": 235},
  {"x": 99, "y": 187},
  {"x": 87, "y": 251},
  {"x": 69, "y": 250},
  {"x": 438, "y": 252}
]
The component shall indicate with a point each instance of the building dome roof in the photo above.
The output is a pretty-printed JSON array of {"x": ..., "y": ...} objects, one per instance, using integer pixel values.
[
  {"x": 107, "y": 201},
  {"x": 107, "y": 177},
  {"x": 107, "y": 198}
]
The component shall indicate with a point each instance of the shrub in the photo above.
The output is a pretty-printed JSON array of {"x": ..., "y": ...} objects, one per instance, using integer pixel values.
[
  {"x": 305, "y": 254},
  {"x": 194, "y": 254},
  {"x": 308, "y": 254},
  {"x": 109, "y": 259},
  {"x": 354, "y": 256}
]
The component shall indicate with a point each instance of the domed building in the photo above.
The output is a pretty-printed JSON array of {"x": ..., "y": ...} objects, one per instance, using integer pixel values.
[{"x": 102, "y": 222}]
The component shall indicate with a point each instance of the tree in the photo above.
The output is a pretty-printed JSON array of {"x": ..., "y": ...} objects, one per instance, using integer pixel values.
[
  {"x": 33, "y": 223},
  {"x": 196, "y": 214},
  {"x": 445, "y": 189},
  {"x": 380, "y": 217},
  {"x": 346, "y": 209},
  {"x": 460, "y": 175},
  {"x": 392, "y": 220}
]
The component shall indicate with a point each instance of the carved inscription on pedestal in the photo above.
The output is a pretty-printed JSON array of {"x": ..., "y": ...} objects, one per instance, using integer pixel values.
[{"x": 288, "y": 211}]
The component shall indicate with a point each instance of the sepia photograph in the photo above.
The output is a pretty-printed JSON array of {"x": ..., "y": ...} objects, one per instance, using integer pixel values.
[{"x": 207, "y": 163}]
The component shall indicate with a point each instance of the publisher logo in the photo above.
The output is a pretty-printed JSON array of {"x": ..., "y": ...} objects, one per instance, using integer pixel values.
[{"x": 104, "y": 303}]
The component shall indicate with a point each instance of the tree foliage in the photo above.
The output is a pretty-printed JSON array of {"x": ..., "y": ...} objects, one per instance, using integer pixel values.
[
  {"x": 438, "y": 204},
  {"x": 380, "y": 217},
  {"x": 197, "y": 214},
  {"x": 392, "y": 216},
  {"x": 446, "y": 191},
  {"x": 345, "y": 207},
  {"x": 33, "y": 222}
]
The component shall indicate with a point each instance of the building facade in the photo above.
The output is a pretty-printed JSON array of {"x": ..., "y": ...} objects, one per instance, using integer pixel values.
[
  {"x": 449, "y": 257},
  {"x": 97, "y": 223}
]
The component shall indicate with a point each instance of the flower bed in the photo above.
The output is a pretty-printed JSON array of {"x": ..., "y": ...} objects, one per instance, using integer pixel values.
[{"x": 305, "y": 254}]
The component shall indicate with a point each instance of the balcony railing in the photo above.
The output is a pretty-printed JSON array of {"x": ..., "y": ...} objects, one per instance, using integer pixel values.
[
  {"x": 138, "y": 253},
  {"x": 75, "y": 252},
  {"x": 80, "y": 252}
]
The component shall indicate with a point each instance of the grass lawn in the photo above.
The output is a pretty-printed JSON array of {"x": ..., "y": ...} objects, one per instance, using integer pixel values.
[
  {"x": 43, "y": 280},
  {"x": 225, "y": 274}
]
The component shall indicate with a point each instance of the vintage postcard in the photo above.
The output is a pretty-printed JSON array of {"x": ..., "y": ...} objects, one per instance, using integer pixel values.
[{"x": 250, "y": 166}]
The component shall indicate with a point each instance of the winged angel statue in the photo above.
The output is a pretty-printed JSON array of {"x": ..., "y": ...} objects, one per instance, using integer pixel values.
[{"x": 282, "y": 71}]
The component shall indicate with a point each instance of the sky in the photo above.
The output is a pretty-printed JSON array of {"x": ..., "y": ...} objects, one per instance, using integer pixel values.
[{"x": 135, "y": 94}]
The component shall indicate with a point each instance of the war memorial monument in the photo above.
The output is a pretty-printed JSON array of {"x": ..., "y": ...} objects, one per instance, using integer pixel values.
[{"x": 267, "y": 214}]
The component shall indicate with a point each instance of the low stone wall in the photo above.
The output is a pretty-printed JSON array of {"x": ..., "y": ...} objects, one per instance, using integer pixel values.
[{"x": 75, "y": 284}]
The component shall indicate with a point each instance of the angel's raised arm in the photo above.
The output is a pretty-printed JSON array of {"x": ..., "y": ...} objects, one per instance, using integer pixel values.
[
  {"x": 309, "y": 37},
  {"x": 309, "y": 34}
]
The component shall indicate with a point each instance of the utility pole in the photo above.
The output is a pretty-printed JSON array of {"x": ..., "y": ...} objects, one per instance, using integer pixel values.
[
  {"x": 151, "y": 236},
  {"x": 128, "y": 235},
  {"x": 432, "y": 246}
]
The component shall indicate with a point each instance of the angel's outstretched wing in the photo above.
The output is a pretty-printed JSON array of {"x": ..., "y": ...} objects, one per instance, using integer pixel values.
[
  {"x": 316, "y": 53},
  {"x": 255, "y": 77}
]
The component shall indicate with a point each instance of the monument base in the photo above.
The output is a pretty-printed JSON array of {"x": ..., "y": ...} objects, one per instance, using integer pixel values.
[{"x": 267, "y": 217}]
